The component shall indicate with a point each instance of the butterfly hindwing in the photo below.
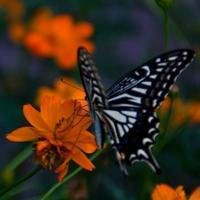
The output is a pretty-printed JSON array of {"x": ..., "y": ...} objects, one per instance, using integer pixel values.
[{"x": 137, "y": 94}]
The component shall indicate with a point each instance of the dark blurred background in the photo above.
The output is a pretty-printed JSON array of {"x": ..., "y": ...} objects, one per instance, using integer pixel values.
[{"x": 127, "y": 34}]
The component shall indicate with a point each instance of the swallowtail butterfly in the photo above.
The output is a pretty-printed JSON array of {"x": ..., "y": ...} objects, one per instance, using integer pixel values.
[{"x": 126, "y": 111}]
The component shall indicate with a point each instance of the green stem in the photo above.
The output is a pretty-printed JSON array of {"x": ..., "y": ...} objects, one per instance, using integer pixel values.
[
  {"x": 19, "y": 159},
  {"x": 76, "y": 171},
  {"x": 23, "y": 179}
]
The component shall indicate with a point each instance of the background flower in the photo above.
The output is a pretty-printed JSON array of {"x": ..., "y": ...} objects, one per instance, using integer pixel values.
[
  {"x": 54, "y": 36},
  {"x": 164, "y": 191}
]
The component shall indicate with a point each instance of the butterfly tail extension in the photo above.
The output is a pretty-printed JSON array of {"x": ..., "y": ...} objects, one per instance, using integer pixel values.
[{"x": 152, "y": 162}]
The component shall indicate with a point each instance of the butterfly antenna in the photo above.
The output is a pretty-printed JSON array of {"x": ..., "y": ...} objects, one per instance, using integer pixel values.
[{"x": 70, "y": 84}]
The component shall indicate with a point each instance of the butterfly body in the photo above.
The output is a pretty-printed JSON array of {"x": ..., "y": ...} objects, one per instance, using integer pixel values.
[{"x": 127, "y": 109}]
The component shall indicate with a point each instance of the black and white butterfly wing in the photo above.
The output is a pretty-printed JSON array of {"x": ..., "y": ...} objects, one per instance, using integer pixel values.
[
  {"x": 132, "y": 101},
  {"x": 94, "y": 92},
  {"x": 148, "y": 84}
]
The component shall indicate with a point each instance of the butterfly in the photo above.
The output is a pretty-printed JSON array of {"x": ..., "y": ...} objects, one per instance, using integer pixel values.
[{"x": 126, "y": 111}]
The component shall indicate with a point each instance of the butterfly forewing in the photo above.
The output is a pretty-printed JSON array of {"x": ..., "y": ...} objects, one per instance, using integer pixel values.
[
  {"x": 94, "y": 92},
  {"x": 148, "y": 89}
]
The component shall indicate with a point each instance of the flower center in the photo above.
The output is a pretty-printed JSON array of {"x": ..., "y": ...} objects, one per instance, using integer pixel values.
[{"x": 50, "y": 156}]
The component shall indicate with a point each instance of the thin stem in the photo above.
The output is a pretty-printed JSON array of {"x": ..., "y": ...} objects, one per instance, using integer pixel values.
[
  {"x": 19, "y": 159},
  {"x": 76, "y": 171},
  {"x": 22, "y": 180}
]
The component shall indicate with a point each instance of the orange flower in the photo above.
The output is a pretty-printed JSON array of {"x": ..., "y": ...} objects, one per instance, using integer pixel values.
[
  {"x": 58, "y": 37},
  {"x": 179, "y": 113},
  {"x": 14, "y": 9},
  {"x": 65, "y": 88},
  {"x": 194, "y": 111},
  {"x": 166, "y": 192},
  {"x": 60, "y": 134},
  {"x": 16, "y": 31}
]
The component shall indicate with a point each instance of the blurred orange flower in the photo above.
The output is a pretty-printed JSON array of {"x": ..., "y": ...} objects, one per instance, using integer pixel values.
[
  {"x": 16, "y": 31},
  {"x": 181, "y": 111},
  {"x": 60, "y": 133},
  {"x": 14, "y": 13},
  {"x": 14, "y": 9},
  {"x": 166, "y": 192},
  {"x": 194, "y": 111},
  {"x": 58, "y": 37},
  {"x": 65, "y": 88}
]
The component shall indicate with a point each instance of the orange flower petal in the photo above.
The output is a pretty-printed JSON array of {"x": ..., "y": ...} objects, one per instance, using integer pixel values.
[
  {"x": 38, "y": 44},
  {"x": 163, "y": 192},
  {"x": 62, "y": 170},
  {"x": 34, "y": 118},
  {"x": 85, "y": 141},
  {"x": 84, "y": 29},
  {"x": 180, "y": 193},
  {"x": 195, "y": 194},
  {"x": 23, "y": 134},
  {"x": 67, "y": 108},
  {"x": 82, "y": 160},
  {"x": 51, "y": 110},
  {"x": 80, "y": 124}
]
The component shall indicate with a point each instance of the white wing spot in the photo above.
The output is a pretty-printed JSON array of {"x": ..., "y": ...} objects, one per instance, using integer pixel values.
[
  {"x": 160, "y": 93},
  {"x": 162, "y": 64},
  {"x": 154, "y": 102},
  {"x": 112, "y": 141},
  {"x": 157, "y": 125},
  {"x": 151, "y": 130},
  {"x": 159, "y": 69},
  {"x": 131, "y": 120},
  {"x": 158, "y": 60},
  {"x": 185, "y": 53},
  {"x": 164, "y": 85},
  {"x": 116, "y": 115},
  {"x": 126, "y": 128},
  {"x": 132, "y": 156},
  {"x": 153, "y": 76},
  {"x": 174, "y": 69},
  {"x": 140, "y": 90},
  {"x": 179, "y": 63},
  {"x": 150, "y": 119},
  {"x": 143, "y": 153},
  {"x": 146, "y": 140},
  {"x": 137, "y": 73},
  {"x": 148, "y": 83},
  {"x": 130, "y": 113},
  {"x": 147, "y": 69},
  {"x": 97, "y": 89},
  {"x": 130, "y": 125},
  {"x": 120, "y": 129},
  {"x": 168, "y": 77},
  {"x": 172, "y": 58}
]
